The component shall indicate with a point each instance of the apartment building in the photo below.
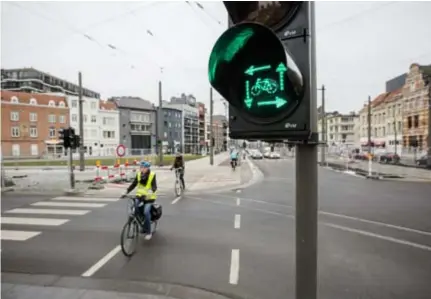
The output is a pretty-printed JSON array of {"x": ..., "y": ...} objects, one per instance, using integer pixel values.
[
  {"x": 394, "y": 121},
  {"x": 34, "y": 81},
  {"x": 220, "y": 132},
  {"x": 202, "y": 128},
  {"x": 416, "y": 95},
  {"x": 108, "y": 128},
  {"x": 137, "y": 121},
  {"x": 340, "y": 128},
  {"x": 376, "y": 122},
  {"x": 30, "y": 124},
  {"x": 172, "y": 130}
]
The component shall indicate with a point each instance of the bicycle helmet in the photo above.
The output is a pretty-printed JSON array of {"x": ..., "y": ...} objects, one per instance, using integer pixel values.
[{"x": 145, "y": 164}]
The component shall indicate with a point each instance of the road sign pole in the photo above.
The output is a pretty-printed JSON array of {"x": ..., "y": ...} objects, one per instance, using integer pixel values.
[{"x": 306, "y": 190}]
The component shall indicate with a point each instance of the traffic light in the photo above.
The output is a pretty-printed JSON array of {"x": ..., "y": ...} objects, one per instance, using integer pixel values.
[
  {"x": 64, "y": 136},
  {"x": 76, "y": 141},
  {"x": 261, "y": 66}
]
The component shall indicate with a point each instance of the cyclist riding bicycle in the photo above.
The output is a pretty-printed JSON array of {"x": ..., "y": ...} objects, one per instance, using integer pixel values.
[
  {"x": 179, "y": 164},
  {"x": 145, "y": 180},
  {"x": 234, "y": 157}
]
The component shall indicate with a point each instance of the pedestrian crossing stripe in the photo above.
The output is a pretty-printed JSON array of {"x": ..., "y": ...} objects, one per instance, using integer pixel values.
[
  {"x": 14, "y": 235},
  {"x": 68, "y": 204},
  {"x": 33, "y": 221},
  {"x": 70, "y": 198},
  {"x": 48, "y": 211}
]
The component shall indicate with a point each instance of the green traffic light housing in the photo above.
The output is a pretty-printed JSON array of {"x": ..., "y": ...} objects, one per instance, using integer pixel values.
[{"x": 250, "y": 67}]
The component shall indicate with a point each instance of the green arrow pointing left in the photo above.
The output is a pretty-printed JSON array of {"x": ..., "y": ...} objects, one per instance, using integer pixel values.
[
  {"x": 252, "y": 69},
  {"x": 278, "y": 102}
]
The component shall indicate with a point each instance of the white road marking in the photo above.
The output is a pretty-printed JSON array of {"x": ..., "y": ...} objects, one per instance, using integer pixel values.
[
  {"x": 238, "y": 191},
  {"x": 93, "y": 269},
  {"x": 16, "y": 235},
  {"x": 33, "y": 221},
  {"x": 234, "y": 267},
  {"x": 47, "y": 211},
  {"x": 390, "y": 239},
  {"x": 378, "y": 223},
  {"x": 68, "y": 204},
  {"x": 238, "y": 201},
  {"x": 70, "y": 198},
  {"x": 237, "y": 221},
  {"x": 176, "y": 200}
]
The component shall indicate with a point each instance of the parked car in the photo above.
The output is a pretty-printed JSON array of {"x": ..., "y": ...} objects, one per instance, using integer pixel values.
[
  {"x": 267, "y": 155},
  {"x": 422, "y": 161},
  {"x": 388, "y": 158}
]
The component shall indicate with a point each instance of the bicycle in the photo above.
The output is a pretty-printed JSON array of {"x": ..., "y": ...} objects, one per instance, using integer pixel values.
[
  {"x": 178, "y": 187},
  {"x": 268, "y": 85},
  {"x": 135, "y": 221}
]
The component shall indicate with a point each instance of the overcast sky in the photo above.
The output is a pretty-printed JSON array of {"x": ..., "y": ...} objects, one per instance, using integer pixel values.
[{"x": 120, "y": 46}]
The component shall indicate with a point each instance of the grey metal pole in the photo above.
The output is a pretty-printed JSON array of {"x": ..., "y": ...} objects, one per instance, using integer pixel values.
[
  {"x": 323, "y": 149},
  {"x": 160, "y": 126},
  {"x": 72, "y": 175},
  {"x": 306, "y": 190},
  {"x": 395, "y": 130},
  {"x": 370, "y": 169},
  {"x": 212, "y": 141},
  {"x": 81, "y": 125},
  {"x": 429, "y": 134}
]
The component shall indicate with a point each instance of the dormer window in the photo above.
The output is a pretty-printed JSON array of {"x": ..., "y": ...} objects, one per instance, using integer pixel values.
[
  {"x": 51, "y": 103},
  {"x": 33, "y": 101},
  {"x": 14, "y": 100},
  {"x": 61, "y": 104}
]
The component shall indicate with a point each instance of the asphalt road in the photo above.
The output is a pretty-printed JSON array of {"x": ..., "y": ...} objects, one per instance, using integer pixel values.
[{"x": 374, "y": 239}]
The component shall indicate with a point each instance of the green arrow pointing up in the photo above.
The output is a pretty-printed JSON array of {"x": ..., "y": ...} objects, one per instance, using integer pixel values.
[
  {"x": 278, "y": 102},
  {"x": 252, "y": 69},
  {"x": 281, "y": 68}
]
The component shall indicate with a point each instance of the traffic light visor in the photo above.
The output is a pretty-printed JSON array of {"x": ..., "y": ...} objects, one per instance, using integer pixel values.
[{"x": 250, "y": 67}]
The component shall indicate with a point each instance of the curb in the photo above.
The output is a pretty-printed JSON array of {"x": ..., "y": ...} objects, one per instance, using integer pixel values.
[{"x": 169, "y": 290}]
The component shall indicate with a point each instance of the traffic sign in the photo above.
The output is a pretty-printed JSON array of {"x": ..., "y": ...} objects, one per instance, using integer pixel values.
[{"x": 121, "y": 150}]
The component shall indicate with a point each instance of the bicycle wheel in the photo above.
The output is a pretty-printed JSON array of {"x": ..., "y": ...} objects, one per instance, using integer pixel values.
[
  {"x": 177, "y": 187},
  {"x": 153, "y": 226},
  {"x": 130, "y": 233}
]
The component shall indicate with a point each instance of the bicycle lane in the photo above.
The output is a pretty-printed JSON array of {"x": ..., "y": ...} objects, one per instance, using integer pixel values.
[{"x": 191, "y": 247}]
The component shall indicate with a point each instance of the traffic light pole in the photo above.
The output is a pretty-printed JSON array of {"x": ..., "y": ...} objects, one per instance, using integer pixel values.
[
  {"x": 72, "y": 175},
  {"x": 211, "y": 128},
  {"x": 306, "y": 191},
  {"x": 81, "y": 125},
  {"x": 323, "y": 148}
]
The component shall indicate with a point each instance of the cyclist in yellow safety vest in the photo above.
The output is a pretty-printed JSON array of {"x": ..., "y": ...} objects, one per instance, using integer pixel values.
[{"x": 145, "y": 181}]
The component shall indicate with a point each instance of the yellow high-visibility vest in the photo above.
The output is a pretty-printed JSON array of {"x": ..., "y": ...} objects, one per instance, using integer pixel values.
[{"x": 143, "y": 190}]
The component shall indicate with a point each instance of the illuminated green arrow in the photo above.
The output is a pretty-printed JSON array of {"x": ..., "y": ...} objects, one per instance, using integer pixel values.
[
  {"x": 278, "y": 102},
  {"x": 281, "y": 69},
  {"x": 252, "y": 69},
  {"x": 248, "y": 100}
]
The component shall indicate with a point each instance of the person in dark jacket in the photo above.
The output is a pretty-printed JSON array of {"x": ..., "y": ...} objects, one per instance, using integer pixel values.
[{"x": 179, "y": 164}]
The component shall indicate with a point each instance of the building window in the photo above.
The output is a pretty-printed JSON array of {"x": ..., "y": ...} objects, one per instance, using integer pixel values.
[
  {"x": 34, "y": 150},
  {"x": 62, "y": 119},
  {"x": 14, "y": 132},
  {"x": 85, "y": 118},
  {"x": 93, "y": 105},
  {"x": 51, "y": 103},
  {"x": 51, "y": 118},
  {"x": 61, "y": 104},
  {"x": 14, "y": 100},
  {"x": 33, "y": 116},
  {"x": 33, "y": 101},
  {"x": 416, "y": 121},
  {"x": 93, "y": 118},
  {"x": 15, "y": 150},
  {"x": 74, "y": 103},
  {"x": 74, "y": 118},
  {"x": 33, "y": 132},
  {"x": 109, "y": 134},
  {"x": 51, "y": 132},
  {"x": 14, "y": 116}
]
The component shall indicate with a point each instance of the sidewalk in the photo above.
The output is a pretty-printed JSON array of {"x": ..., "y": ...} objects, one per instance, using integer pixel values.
[
  {"x": 389, "y": 170},
  {"x": 199, "y": 176}
]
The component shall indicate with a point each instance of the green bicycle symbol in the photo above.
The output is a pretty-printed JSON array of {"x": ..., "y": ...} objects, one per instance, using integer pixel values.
[{"x": 268, "y": 85}]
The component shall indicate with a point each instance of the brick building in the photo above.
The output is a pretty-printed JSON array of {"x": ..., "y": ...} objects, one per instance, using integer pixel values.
[
  {"x": 416, "y": 94},
  {"x": 30, "y": 124}
]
